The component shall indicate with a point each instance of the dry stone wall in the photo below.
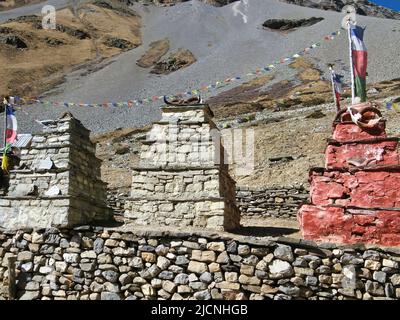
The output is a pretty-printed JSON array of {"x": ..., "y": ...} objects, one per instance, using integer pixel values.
[
  {"x": 92, "y": 263},
  {"x": 278, "y": 202}
]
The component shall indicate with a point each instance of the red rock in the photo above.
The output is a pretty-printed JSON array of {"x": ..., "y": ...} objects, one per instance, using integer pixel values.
[
  {"x": 361, "y": 189},
  {"x": 350, "y": 131},
  {"x": 334, "y": 224},
  {"x": 353, "y": 155},
  {"x": 352, "y": 206}
]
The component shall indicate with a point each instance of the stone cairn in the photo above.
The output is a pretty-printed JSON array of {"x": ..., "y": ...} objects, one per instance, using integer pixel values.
[
  {"x": 182, "y": 179},
  {"x": 57, "y": 183},
  {"x": 356, "y": 197}
]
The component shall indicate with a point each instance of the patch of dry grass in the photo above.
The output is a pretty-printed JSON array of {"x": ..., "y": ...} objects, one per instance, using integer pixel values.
[
  {"x": 11, "y": 4},
  {"x": 154, "y": 53},
  {"x": 52, "y": 53}
]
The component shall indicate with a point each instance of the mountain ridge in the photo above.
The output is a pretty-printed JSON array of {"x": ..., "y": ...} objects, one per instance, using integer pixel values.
[{"x": 363, "y": 7}]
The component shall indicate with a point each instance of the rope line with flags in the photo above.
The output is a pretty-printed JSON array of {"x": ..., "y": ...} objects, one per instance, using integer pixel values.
[
  {"x": 392, "y": 104},
  {"x": 205, "y": 88}
]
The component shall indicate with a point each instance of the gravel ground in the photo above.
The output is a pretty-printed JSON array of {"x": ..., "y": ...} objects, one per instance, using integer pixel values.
[{"x": 224, "y": 46}]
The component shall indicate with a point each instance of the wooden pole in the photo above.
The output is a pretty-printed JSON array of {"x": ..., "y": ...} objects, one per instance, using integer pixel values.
[
  {"x": 11, "y": 278},
  {"x": 5, "y": 124}
]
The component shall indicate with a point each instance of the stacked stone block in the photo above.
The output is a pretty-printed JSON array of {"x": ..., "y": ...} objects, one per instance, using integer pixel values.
[
  {"x": 57, "y": 182},
  {"x": 182, "y": 179},
  {"x": 355, "y": 198}
]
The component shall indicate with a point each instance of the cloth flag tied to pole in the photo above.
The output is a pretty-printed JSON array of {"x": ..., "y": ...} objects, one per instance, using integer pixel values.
[
  {"x": 11, "y": 127},
  {"x": 337, "y": 88},
  {"x": 360, "y": 61}
]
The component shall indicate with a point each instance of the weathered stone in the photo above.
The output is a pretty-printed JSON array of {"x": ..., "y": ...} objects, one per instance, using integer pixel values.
[
  {"x": 98, "y": 245},
  {"x": 184, "y": 289},
  {"x": 88, "y": 255},
  {"x": 372, "y": 265},
  {"x": 111, "y": 243},
  {"x": 163, "y": 263},
  {"x": 32, "y": 286},
  {"x": 379, "y": 276},
  {"x": 87, "y": 267},
  {"x": 175, "y": 269},
  {"x": 71, "y": 257},
  {"x": 198, "y": 285},
  {"x": 197, "y": 267},
  {"x": 325, "y": 279},
  {"x": 154, "y": 270},
  {"x": 161, "y": 250},
  {"x": 27, "y": 267},
  {"x": 181, "y": 278},
  {"x": 202, "y": 295},
  {"x": 390, "y": 263},
  {"x": 223, "y": 257},
  {"x": 110, "y": 296},
  {"x": 232, "y": 247},
  {"x": 23, "y": 190},
  {"x": 46, "y": 270},
  {"x": 166, "y": 275},
  {"x": 267, "y": 289},
  {"x": 216, "y": 246},
  {"x": 149, "y": 257},
  {"x": 351, "y": 259},
  {"x": 206, "y": 277},
  {"x": 136, "y": 262},
  {"x": 110, "y": 276},
  {"x": 169, "y": 286},
  {"x": 105, "y": 258},
  {"x": 25, "y": 256},
  {"x": 374, "y": 288},
  {"x": 284, "y": 252},
  {"x": 251, "y": 260},
  {"x": 247, "y": 270},
  {"x": 227, "y": 285},
  {"x": 243, "y": 249},
  {"x": 231, "y": 276},
  {"x": 30, "y": 295},
  {"x": 262, "y": 265},
  {"x": 249, "y": 280},
  {"x": 268, "y": 258},
  {"x": 290, "y": 290},
  {"x": 371, "y": 255},
  {"x": 395, "y": 279},
  {"x": 311, "y": 281},
  {"x": 181, "y": 260},
  {"x": 389, "y": 290},
  {"x": 280, "y": 269},
  {"x": 300, "y": 262}
]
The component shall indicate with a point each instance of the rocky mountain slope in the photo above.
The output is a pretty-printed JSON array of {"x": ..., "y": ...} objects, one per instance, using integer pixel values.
[
  {"x": 35, "y": 59},
  {"x": 363, "y": 7},
  {"x": 223, "y": 45}
]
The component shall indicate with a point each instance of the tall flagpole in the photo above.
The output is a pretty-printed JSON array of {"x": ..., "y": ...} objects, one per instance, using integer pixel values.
[
  {"x": 5, "y": 124},
  {"x": 351, "y": 64}
]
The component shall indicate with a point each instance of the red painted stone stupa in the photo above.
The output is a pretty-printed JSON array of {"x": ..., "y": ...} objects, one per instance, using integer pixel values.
[{"x": 356, "y": 197}]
